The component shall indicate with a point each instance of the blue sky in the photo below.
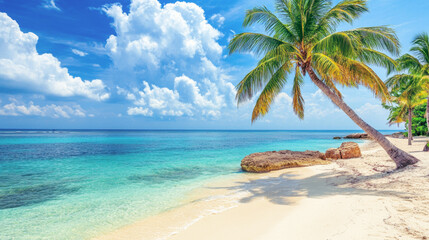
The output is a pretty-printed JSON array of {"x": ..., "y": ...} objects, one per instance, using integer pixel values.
[{"x": 153, "y": 64}]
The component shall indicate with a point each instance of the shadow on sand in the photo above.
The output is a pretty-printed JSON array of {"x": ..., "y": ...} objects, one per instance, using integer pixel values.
[{"x": 280, "y": 190}]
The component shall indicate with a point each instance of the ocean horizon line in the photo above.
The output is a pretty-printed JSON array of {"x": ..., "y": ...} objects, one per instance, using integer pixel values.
[{"x": 190, "y": 130}]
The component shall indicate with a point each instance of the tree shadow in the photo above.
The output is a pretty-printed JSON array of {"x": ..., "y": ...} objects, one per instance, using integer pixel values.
[{"x": 280, "y": 190}]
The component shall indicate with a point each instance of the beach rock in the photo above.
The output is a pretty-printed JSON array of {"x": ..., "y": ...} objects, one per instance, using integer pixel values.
[
  {"x": 349, "y": 150},
  {"x": 276, "y": 160},
  {"x": 357, "y": 136},
  {"x": 398, "y": 135},
  {"x": 333, "y": 153},
  {"x": 337, "y": 137},
  {"x": 426, "y": 148}
]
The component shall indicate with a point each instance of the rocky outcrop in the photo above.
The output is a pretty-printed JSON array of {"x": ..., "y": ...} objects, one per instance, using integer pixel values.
[
  {"x": 347, "y": 150},
  {"x": 276, "y": 160},
  {"x": 357, "y": 136},
  {"x": 398, "y": 135},
  {"x": 426, "y": 148},
  {"x": 337, "y": 137}
]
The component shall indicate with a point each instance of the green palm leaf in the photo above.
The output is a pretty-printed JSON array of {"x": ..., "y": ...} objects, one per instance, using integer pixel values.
[{"x": 270, "y": 91}]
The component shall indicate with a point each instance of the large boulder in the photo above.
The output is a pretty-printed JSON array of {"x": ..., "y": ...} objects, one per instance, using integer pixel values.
[
  {"x": 270, "y": 161},
  {"x": 333, "y": 153},
  {"x": 347, "y": 150},
  {"x": 350, "y": 150},
  {"x": 357, "y": 136}
]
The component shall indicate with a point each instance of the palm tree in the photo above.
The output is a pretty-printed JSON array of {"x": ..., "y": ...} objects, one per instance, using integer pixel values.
[
  {"x": 302, "y": 39},
  {"x": 418, "y": 65},
  {"x": 408, "y": 93}
]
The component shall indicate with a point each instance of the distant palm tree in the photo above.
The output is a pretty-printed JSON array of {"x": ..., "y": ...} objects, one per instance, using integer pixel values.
[
  {"x": 417, "y": 65},
  {"x": 408, "y": 94},
  {"x": 302, "y": 39}
]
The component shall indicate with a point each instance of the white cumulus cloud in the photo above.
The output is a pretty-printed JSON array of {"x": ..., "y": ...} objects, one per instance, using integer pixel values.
[
  {"x": 151, "y": 35},
  {"x": 186, "y": 99},
  {"x": 163, "y": 101},
  {"x": 217, "y": 18},
  {"x": 15, "y": 108},
  {"x": 139, "y": 111},
  {"x": 175, "y": 49},
  {"x": 23, "y": 68}
]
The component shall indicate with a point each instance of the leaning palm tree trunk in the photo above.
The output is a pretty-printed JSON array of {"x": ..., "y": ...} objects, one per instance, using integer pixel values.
[
  {"x": 410, "y": 125},
  {"x": 400, "y": 157}
]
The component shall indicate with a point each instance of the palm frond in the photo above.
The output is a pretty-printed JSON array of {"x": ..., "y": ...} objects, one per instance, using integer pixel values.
[
  {"x": 328, "y": 69},
  {"x": 344, "y": 11},
  {"x": 336, "y": 42},
  {"x": 273, "y": 25},
  {"x": 298, "y": 100},
  {"x": 253, "y": 42},
  {"x": 398, "y": 80},
  {"x": 410, "y": 63},
  {"x": 283, "y": 50},
  {"x": 421, "y": 47},
  {"x": 326, "y": 66},
  {"x": 347, "y": 11},
  {"x": 374, "y": 57},
  {"x": 292, "y": 12},
  {"x": 357, "y": 73},
  {"x": 397, "y": 115},
  {"x": 270, "y": 91},
  {"x": 380, "y": 38},
  {"x": 255, "y": 79}
]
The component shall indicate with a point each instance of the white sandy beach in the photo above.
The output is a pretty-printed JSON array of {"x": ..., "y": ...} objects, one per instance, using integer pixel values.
[{"x": 348, "y": 199}]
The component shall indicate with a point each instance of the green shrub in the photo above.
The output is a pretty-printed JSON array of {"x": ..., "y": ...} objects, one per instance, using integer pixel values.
[{"x": 419, "y": 125}]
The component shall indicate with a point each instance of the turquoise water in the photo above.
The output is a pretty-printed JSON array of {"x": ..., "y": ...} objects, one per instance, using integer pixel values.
[{"x": 80, "y": 184}]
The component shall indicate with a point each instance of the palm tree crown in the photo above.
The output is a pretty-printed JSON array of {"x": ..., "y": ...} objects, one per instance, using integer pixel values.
[
  {"x": 407, "y": 96},
  {"x": 413, "y": 74},
  {"x": 300, "y": 37}
]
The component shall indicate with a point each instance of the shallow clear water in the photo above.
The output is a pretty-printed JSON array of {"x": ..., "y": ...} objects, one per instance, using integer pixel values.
[{"x": 79, "y": 184}]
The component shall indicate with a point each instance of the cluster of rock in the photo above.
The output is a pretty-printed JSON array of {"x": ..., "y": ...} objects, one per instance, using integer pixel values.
[
  {"x": 355, "y": 136},
  {"x": 366, "y": 136},
  {"x": 276, "y": 160}
]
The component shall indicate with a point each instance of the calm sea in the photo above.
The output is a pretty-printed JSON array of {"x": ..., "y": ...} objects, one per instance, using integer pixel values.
[{"x": 78, "y": 184}]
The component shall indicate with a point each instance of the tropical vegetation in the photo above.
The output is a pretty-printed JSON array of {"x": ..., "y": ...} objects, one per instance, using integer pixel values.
[
  {"x": 301, "y": 39},
  {"x": 419, "y": 124},
  {"x": 408, "y": 94},
  {"x": 412, "y": 79}
]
